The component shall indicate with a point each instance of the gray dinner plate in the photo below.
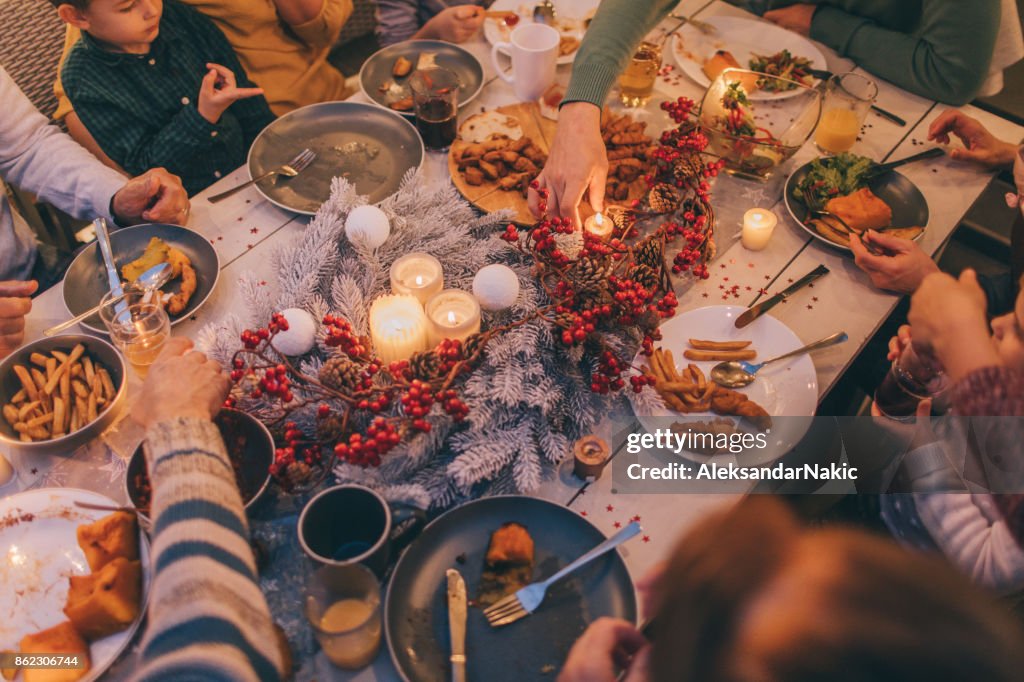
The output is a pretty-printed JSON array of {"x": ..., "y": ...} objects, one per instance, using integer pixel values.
[
  {"x": 416, "y": 607},
  {"x": 376, "y": 71},
  {"x": 370, "y": 146},
  {"x": 86, "y": 280},
  {"x": 909, "y": 207}
]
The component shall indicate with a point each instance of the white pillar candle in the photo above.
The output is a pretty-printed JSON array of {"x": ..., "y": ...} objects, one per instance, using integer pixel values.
[
  {"x": 398, "y": 327},
  {"x": 418, "y": 275},
  {"x": 452, "y": 314},
  {"x": 758, "y": 225},
  {"x": 599, "y": 226},
  {"x": 6, "y": 471}
]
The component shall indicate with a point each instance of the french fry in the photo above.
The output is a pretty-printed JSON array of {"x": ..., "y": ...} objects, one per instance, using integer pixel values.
[
  {"x": 51, "y": 367},
  {"x": 27, "y": 409},
  {"x": 82, "y": 408},
  {"x": 40, "y": 421},
  {"x": 670, "y": 366},
  {"x": 65, "y": 366},
  {"x": 27, "y": 382},
  {"x": 90, "y": 371},
  {"x": 40, "y": 380},
  {"x": 57, "y": 418},
  {"x": 11, "y": 414},
  {"x": 657, "y": 366},
  {"x": 77, "y": 371},
  {"x": 38, "y": 359},
  {"x": 25, "y": 438},
  {"x": 711, "y": 355},
  {"x": 79, "y": 388},
  {"x": 91, "y": 413},
  {"x": 34, "y": 431},
  {"x": 699, "y": 378},
  {"x": 108, "y": 383},
  {"x": 75, "y": 423},
  {"x": 60, "y": 355},
  {"x": 701, "y": 344},
  {"x": 18, "y": 397}
]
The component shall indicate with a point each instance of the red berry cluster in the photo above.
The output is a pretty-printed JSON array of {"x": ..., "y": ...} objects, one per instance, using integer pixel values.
[
  {"x": 381, "y": 437},
  {"x": 295, "y": 450},
  {"x": 451, "y": 353},
  {"x": 340, "y": 335},
  {"x": 638, "y": 381},
  {"x": 252, "y": 338},
  {"x": 275, "y": 384},
  {"x": 608, "y": 377},
  {"x": 680, "y": 109}
]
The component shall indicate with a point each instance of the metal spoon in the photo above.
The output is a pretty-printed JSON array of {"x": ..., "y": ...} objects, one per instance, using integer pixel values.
[
  {"x": 544, "y": 13},
  {"x": 733, "y": 374},
  {"x": 150, "y": 280}
]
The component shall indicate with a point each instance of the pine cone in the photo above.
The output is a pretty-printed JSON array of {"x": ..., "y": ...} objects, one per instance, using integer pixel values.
[
  {"x": 663, "y": 198},
  {"x": 588, "y": 275},
  {"x": 425, "y": 366},
  {"x": 649, "y": 253},
  {"x": 341, "y": 374},
  {"x": 686, "y": 168},
  {"x": 471, "y": 345},
  {"x": 712, "y": 250},
  {"x": 330, "y": 429},
  {"x": 622, "y": 218},
  {"x": 645, "y": 277},
  {"x": 297, "y": 475}
]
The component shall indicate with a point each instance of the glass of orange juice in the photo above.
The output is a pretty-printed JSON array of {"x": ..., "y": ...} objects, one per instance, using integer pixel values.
[
  {"x": 848, "y": 96},
  {"x": 343, "y": 606}
]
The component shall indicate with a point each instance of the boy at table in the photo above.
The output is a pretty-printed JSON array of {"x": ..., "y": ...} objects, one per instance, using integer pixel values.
[{"x": 157, "y": 84}]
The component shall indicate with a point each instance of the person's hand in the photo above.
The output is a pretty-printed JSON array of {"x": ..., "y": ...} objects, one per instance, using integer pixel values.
[
  {"x": 156, "y": 196},
  {"x": 218, "y": 91},
  {"x": 902, "y": 266},
  {"x": 947, "y": 317},
  {"x": 899, "y": 343},
  {"x": 455, "y": 24},
  {"x": 15, "y": 304},
  {"x": 605, "y": 646},
  {"x": 648, "y": 587},
  {"x": 980, "y": 146},
  {"x": 578, "y": 162},
  {"x": 796, "y": 18},
  {"x": 911, "y": 435},
  {"x": 181, "y": 383}
]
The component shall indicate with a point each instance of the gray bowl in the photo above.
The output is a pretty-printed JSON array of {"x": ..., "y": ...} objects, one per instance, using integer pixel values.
[
  {"x": 86, "y": 280},
  {"x": 253, "y": 473},
  {"x": 98, "y": 350},
  {"x": 377, "y": 69}
]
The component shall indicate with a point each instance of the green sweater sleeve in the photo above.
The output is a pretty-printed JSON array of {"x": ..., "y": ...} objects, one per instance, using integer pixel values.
[
  {"x": 946, "y": 57},
  {"x": 617, "y": 28}
]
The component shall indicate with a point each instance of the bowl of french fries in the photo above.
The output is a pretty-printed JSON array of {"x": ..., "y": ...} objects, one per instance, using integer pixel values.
[{"x": 58, "y": 393}]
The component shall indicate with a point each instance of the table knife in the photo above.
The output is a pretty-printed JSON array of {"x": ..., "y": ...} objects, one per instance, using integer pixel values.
[
  {"x": 103, "y": 240},
  {"x": 759, "y": 309},
  {"x": 457, "y": 623},
  {"x": 824, "y": 76}
]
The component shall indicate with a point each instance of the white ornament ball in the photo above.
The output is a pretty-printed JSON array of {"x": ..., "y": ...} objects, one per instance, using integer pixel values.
[
  {"x": 301, "y": 333},
  {"x": 496, "y": 287},
  {"x": 367, "y": 224}
]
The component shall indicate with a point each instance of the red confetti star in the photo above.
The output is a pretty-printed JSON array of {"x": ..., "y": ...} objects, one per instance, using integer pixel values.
[
  {"x": 725, "y": 279},
  {"x": 239, "y": 218},
  {"x": 248, "y": 246},
  {"x": 810, "y": 307},
  {"x": 750, "y": 265},
  {"x": 768, "y": 277},
  {"x": 750, "y": 288},
  {"x": 762, "y": 292},
  {"x": 618, "y": 525},
  {"x": 635, "y": 518},
  {"x": 646, "y": 538},
  {"x": 722, "y": 265},
  {"x": 790, "y": 280},
  {"x": 254, "y": 230},
  {"x": 583, "y": 513},
  {"x": 814, "y": 298},
  {"x": 705, "y": 294},
  {"x": 220, "y": 238},
  {"x": 213, "y": 241},
  {"x": 811, "y": 285},
  {"x": 610, "y": 508}
]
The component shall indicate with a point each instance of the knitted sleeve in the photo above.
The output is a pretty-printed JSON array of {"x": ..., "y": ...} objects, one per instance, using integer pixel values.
[{"x": 207, "y": 616}]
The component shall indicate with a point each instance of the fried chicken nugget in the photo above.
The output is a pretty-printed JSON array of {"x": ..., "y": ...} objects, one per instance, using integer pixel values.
[{"x": 182, "y": 267}]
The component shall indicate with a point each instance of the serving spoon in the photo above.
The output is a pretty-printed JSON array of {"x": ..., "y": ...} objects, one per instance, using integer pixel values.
[
  {"x": 150, "y": 280},
  {"x": 735, "y": 374}
]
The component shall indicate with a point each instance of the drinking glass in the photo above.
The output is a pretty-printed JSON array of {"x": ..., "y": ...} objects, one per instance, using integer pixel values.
[
  {"x": 914, "y": 376},
  {"x": 848, "y": 97},
  {"x": 435, "y": 98},
  {"x": 636, "y": 84},
  {"x": 343, "y": 607},
  {"x": 138, "y": 325}
]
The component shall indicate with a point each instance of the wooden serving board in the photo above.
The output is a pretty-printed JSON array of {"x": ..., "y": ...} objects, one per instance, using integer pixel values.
[{"x": 489, "y": 198}]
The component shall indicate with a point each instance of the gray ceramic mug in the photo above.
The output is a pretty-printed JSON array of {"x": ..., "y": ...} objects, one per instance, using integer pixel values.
[{"x": 352, "y": 524}]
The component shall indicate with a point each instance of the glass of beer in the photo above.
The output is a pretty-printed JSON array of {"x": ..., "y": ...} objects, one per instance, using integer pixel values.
[
  {"x": 913, "y": 377},
  {"x": 343, "y": 606},
  {"x": 636, "y": 84},
  {"x": 435, "y": 98},
  {"x": 848, "y": 96},
  {"x": 138, "y": 325}
]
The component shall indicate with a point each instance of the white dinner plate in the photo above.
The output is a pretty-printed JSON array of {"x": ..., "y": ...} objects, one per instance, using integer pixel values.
[
  {"x": 569, "y": 14},
  {"x": 39, "y": 550},
  {"x": 741, "y": 37},
  {"x": 785, "y": 389}
]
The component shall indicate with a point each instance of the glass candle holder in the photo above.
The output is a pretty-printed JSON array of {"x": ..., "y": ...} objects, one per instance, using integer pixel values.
[
  {"x": 599, "y": 225},
  {"x": 452, "y": 314},
  {"x": 138, "y": 325},
  {"x": 342, "y": 605},
  {"x": 398, "y": 327},
  {"x": 418, "y": 275}
]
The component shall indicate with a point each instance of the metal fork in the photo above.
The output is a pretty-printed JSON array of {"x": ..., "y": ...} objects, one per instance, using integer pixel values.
[
  {"x": 290, "y": 169},
  {"x": 702, "y": 26},
  {"x": 814, "y": 210},
  {"x": 525, "y": 601}
]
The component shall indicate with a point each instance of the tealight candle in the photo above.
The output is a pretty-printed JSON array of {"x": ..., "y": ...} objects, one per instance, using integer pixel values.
[
  {"x": 599, "y": 226},
  {"x": 398, "y": 327},
  {"x": 758, "y": 225},
  {"x": 452, "y": 314},
  {"x": 417, "y": 274}
]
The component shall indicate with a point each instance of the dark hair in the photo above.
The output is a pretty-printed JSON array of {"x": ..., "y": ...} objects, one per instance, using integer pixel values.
[
  {"x": 77, "y": 4},
  {"x": 750, "y": 595}
]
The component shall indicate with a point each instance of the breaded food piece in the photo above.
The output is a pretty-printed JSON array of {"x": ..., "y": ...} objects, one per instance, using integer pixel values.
[
  {"x": 401, "y": 68},
  {"x": 113, "y": 536},
  {"x": 510, "y": 544},
  {"x": 60, "y": 639},
  {"x": 107, "y": 601},
  {"x": 155, "y": 253},
  {"x": 726, "y": 401},
  {"x": 861, "y": 210}
]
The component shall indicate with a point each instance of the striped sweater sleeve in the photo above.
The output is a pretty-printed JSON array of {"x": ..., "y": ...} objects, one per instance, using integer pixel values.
[{"x": 208, "y": 619}]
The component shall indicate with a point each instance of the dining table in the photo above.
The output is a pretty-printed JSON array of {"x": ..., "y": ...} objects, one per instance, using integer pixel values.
[{"x": 246, "y": 229}]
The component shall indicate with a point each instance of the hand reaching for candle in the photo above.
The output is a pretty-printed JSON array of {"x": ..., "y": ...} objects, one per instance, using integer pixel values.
[{"x": 578, "y": 162}]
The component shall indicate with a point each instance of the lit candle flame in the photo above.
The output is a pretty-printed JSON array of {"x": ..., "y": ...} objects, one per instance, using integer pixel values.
[
  {"x": 599, "y": 219},
  {"x": 419, "y": 280},
  {"x": 451, "y": 317}
]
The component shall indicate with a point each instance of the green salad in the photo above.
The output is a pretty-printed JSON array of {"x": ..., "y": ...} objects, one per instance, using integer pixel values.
[{"x": 834, "y": 176}]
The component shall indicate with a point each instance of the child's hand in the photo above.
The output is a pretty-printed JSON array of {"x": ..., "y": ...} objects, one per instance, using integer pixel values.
[
  {"x": 218, "y": 91},
  {"x": 456, "y": 24}
]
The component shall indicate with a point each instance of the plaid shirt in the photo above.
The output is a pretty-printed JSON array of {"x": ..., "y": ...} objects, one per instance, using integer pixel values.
[{"x": 142, "y": 108}]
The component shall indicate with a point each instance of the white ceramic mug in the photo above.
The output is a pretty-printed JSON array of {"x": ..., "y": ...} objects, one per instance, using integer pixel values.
[{"x": 534, "y": 52}]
